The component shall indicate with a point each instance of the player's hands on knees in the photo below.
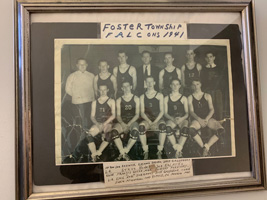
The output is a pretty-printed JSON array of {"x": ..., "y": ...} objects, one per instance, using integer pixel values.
[
  {"x": 153, "y": 125},
  {"x": 125, "y": 127},
  {"x": 202, "y": 123},
  {"x": 178, "y": 120},
  {"x": 100, "y": 127}
]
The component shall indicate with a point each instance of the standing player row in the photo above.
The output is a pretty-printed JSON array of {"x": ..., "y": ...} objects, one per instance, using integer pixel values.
[
  {"x": 152, "y": 106},
  {"x": 80, "y": 83}
]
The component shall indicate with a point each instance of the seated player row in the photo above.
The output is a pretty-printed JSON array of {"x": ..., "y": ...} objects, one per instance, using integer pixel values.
[{"x": 153, "y": 107}]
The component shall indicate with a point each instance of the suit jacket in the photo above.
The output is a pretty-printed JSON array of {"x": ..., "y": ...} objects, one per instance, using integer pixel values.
[{"x": 141, "y": 78}]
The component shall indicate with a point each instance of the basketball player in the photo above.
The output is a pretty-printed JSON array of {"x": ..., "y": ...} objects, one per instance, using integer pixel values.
[
  {"x": 190, "y": 71},
  {"x": 102, "y": 115},
  {"x": 176, "y": 113},
  {"x": 124, "y": 72},
  {"x": 128, "y": 111},
  {"x": 152, "y": 110},
  {"x": 105, "y": 78},
  {"x": 167, "y": 74},
  {"x": 201, "y": 110}
]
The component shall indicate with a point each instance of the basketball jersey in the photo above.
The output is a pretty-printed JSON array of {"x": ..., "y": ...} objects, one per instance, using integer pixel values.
[
  {"x": 168, "y": 77},
  {"x": 201, "y": 107},
  {"x": 106, "y": 82},
  {"x": 122, "y": 77},
  {"x": 152, "y": 108},
  {"x": 127, "y": 110},
  {"x": 190, "y": 74},
  {"x": 103, "y": 111},
  {"x": 176, "y": 108}
]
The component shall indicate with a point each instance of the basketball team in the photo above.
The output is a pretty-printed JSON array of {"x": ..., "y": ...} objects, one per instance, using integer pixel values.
[{"x": 132, "y": 101}]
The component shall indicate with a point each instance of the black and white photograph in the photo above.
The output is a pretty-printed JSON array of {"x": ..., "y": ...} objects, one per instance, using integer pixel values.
[{"x": 142, "y": 100}]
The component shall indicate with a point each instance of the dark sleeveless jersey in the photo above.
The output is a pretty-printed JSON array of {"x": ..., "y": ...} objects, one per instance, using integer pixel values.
[
  {"x": 190, "y": 75},
  {"x": 176, "y": 108},
  {"x": 106, "y": 82},
  {"x": 122, "y": 77},
  {"x": 152, "y": 108},
  {"x": 103, "y": 111},
  {"x": 168, "y": 77},
  {"x": 127, "y": 110},
  {"x": 201, "y": 107}
]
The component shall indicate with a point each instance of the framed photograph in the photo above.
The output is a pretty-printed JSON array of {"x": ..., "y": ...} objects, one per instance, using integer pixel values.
[{"x": 155, "y": 99}]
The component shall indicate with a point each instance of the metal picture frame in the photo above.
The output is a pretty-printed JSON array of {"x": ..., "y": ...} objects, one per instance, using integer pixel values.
[{"x": 25, "y": 143}]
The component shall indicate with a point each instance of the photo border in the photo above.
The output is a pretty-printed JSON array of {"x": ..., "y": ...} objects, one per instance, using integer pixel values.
[{"x": 24, "y": 174}]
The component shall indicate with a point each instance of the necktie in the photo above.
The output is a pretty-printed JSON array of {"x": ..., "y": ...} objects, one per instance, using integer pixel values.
[{"x": 146, "y": 72}]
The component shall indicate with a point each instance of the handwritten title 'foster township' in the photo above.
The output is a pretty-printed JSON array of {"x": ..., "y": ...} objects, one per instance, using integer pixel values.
[{"x": 143, "y": 31}]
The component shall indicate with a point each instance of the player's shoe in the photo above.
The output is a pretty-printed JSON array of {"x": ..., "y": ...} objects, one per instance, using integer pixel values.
[
  {"x": 159, "y": 154},
  {"x": 145, "y": 154},
  {"x": 119, "y": 158},
  {"x": 206, "y": 152},
  {"x": 126, "y": 157},
  {"x": 178, "y": 154}
]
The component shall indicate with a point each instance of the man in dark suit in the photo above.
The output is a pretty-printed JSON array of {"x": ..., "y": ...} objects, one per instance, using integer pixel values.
[{"x": 144, "y": 71}]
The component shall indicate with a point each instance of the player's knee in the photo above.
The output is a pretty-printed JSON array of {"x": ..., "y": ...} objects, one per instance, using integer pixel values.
[
  {"x": 89, "y": 139},
  {"x": 192, "y": 132},
  {"x": 112, "y": 135},
  {"x": 169, "y": 131},
  {"x": 134, "y": 134},
  {"x": 162, "y": 128},
  {"x": 142, "y": 129},
  {"x": 220, "y": 132},
  {"x": 185, "y": 132}
]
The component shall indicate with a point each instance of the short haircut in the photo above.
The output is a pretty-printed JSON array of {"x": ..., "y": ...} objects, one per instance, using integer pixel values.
[
  {"x": 122, "y": 51},
  {"x": 150, "y": 77},
  {"x": 146, "y": 52},
  {"x": 103, "y": 60},
  {"x": 197, "y": 79},
  {"x": 210, "y": 52},
  {"x": 176, "y": 79},
  {"x": 126, "y": 82},
  {"x": 81, "y": 59},
  {"x": 168, "y": 53},
  {"x": 191, "y": 49},
  {"x": 102, "y": 85}
]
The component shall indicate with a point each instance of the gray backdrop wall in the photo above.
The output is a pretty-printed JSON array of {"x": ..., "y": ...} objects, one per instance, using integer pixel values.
[{"x": 7, "y": 101}]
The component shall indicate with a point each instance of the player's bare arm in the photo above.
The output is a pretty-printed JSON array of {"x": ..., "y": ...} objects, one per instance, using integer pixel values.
[
  {"x": 93, "y": 112},
  {"x": 199, "y": 68},
  {"x": 182, "y": 75},
  {"x": 111, "y": 104},
  {"x": 178, "y": 71},
  {"x": 95, "y": 85},
  {"x": 114, "y": 82},
  {"x": 166, "y": 100},
  {"x": 132, "y": 73},
  {"x": 211, "y": 108},
  {"x": 161, "y": 107},
  {"x": 115, "y": 71},
  {"x": 137, "y": 111},
  {"x": 161, "y": 74},
  {"x": 143, "y": 115}
]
